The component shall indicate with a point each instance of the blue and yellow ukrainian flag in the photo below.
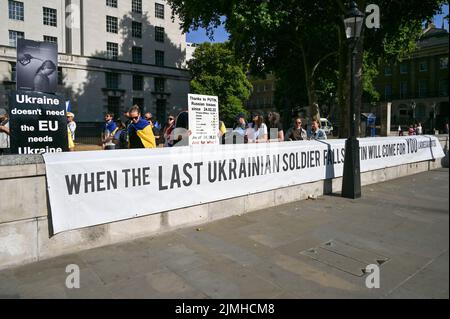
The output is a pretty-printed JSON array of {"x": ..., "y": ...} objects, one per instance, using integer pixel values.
[{"x": 145, "y": 133}]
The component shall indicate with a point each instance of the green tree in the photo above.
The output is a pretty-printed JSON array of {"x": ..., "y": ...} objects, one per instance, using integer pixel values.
[
  {"x": 309, "y": 36},
  {"x": 216, "y": 71}
]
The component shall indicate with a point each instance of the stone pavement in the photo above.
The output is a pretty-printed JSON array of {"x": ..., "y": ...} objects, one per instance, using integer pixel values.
[{"x": 308, "y": 249}]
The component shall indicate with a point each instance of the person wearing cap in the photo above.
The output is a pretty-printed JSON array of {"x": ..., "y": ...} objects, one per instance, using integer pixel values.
[
  {"x": 4, "y": 133},
  {"x": 71, "y": 125}
]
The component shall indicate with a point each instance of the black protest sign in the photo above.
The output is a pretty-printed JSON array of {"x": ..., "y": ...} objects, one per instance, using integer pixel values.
[
  {"x": 37, "y": 66},
  {"x": 38, "y": 123}
]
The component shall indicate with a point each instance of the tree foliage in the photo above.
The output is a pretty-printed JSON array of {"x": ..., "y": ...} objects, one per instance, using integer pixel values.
[
  {"x": 308, "y": 36},
  {"x": 216, "y": 71}
]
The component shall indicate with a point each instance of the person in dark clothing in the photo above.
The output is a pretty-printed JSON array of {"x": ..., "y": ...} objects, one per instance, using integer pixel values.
[
  {"x": 274, "y": 125},
  {"x": 140, "y": 133},
  {"x": 297, "y": 132}
]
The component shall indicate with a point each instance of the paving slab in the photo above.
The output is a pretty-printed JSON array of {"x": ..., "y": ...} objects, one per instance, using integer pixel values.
[{"x": 306, "y": 249}]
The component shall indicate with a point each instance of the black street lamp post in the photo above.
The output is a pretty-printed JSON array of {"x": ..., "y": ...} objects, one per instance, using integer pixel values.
[
  {"x": 413, "y": 107},
  {"x": 434, "y": 118},
  {"x": 351, "y": 183}
]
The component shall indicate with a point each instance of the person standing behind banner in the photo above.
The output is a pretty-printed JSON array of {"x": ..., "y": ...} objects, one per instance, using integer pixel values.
[
  {"x": 4, "y": 133},
  {"x": 167, "y": 131},
  {"x": 257, "y": 130},
  {"x": 275, "y": 124},
  {"x": 120, "y": 138},
  {"x": 297, "y": 132},
  {"x": 140, "y": 133},
  {"x": 419, "y": 130},
  {"x": 316, "y": 132},
  {"x": 70, "y": 142},
  {"x": 108, "y": 130},
  {"x": 71, "y": 124}
]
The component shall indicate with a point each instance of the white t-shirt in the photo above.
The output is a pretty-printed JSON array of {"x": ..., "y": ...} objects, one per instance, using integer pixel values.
[{"x": 254, "y": 134}]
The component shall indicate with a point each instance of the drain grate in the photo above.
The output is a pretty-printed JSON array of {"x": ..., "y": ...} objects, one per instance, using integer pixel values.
[{"x": 345, "y": 257}]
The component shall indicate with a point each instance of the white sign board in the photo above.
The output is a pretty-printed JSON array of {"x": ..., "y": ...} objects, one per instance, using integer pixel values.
[
  {"x": 91, "y": 188},
  {"x": 203, "y": 119}
]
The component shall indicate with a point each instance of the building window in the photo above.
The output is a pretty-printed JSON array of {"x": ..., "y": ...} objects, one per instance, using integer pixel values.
[
  {"x": 443, "y": 63},
  {"x": 403, "y": 68},
  {"x": 13, "y": 71},
  {"x": 136, "y": 29},
  {"x": 111, "y": 3},
  {"x": 388, "y": 92},
  {"x": 111, "y": 24},
  {"x": 138, "y": 82},
  {"x": 159, "y": 34},
  {"x": 15, "y": 9},
  {"x": 114, "y": 105},
  {"x": 136, "y": 6},
  {"x": 159, "y": 58},
  {"x": 49, "y": 16},
  {"x": 161, "y": 110},
  {"x": 139, "y": 102},
  {"x": 136, "y": 53},
  {"x": 159, "y": 10},
  {"x": 112, "y": 50},
  {"x": 112, "y": 80},
  {"x": 422, "y": 88},
  {"x": 443, "y": 87},
  {"x": 50, "y": 39},
  {"x": 403, "y": 90},
  {"x": 423, "y": 66},
  {"x": 159, "y": 85},
  {"x": 13, "y": 36},
  {"x": 388, "y": 71}
]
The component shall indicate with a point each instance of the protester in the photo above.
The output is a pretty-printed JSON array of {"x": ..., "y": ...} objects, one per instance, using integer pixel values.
[
  {"x": 120, "y": 138},
  {"x": 297, "y": 132},
  {"x": 71, "y": 124},
  {"x": 411, "y": 130},
  {"x": 446, "y": 128},
  {"x": 274, "y": 123},
  {"x": 419, "y": 129},
  {"x": 70, "y": 142},
  {"x": 257, "y": 130},
  {"x": 4, "y": 133},
  {"x": 316, "y": 132},
  {"x": 400, "y": 131},
  {"x": 140, "y": 134},
  {"x": 180, "y": 134},
  {"x": 167, "y": 131},
  {"x": 108, "y": 130}
]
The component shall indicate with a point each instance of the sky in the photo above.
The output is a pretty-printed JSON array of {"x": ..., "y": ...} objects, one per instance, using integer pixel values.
[{"x": 221, "y": 35}]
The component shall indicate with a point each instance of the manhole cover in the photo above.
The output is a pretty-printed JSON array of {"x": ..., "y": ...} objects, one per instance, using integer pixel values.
[{"x": 345, "y": 257}]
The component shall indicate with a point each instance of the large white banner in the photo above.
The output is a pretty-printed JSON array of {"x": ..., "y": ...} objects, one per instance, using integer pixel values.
[{"x": 91, "y": 188}]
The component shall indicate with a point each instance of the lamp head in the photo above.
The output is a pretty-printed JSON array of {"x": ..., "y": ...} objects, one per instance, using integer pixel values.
[{"x": 353, "y": 21}]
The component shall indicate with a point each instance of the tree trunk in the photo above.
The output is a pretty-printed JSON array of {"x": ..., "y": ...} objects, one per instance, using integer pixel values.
[{"x": 313, "y": 105}]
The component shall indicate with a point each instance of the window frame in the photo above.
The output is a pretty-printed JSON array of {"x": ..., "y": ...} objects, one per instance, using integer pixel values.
[
  {"x": 112, "y": 24},
  {"x": 136, "y": 6},
  {"x": 159, "y": 56},
  {"x": 111, "y": 3},
  {"x": 112, "y": 80},
  {"x": 159, "y": 34},
  {"x": 10, "y": 32},
  {"x": 47, "y": 17},
  {"x": 16, "y": 10},
  {"x": 113, "y": 47},
  {"x": 136, "y": 51},
  {"x": 136, "y": 29},
  {"x": 159, "y": 10}
]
